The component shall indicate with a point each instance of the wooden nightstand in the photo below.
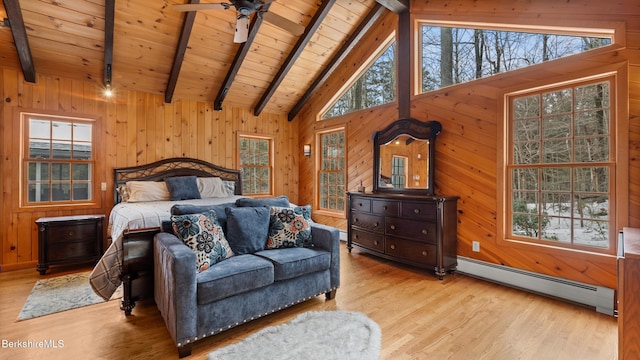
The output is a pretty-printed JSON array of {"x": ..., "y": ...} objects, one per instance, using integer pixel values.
[{"x": 69, "y": 239}]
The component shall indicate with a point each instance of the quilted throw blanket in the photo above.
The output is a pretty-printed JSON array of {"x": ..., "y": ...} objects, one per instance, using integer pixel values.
[{"x": 105, "y": 277}]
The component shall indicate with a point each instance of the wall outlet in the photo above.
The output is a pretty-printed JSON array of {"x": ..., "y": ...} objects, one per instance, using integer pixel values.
[
  {"x": 103, "y": 186},
  {"x": 475, "y": 246}
]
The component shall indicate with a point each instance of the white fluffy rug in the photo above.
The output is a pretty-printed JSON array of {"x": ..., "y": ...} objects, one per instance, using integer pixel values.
[{"x": 322, "y": 335}]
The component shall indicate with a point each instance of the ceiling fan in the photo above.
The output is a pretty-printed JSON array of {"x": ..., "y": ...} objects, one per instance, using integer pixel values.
[{"x": 244, "y": 9}]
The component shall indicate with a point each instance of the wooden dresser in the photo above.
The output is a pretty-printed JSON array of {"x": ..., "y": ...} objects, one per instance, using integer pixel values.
[
  {"x": 629, "y": 295},
  {"x": 414, "y": 229}
]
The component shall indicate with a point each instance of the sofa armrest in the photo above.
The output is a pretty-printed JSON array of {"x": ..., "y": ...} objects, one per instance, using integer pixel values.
[
  {"x": 175, "y": 288},
  {"x": 328, "y": 238}
]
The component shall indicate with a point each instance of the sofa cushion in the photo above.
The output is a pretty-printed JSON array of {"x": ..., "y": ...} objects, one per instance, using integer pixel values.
[
  {"x": 293, "y": 262},
  {"x": 182, "y": 188},
  {"x": 236, "y": 275},
  {"x": 289, "y": 227},
  {"x": 263, "y": 202},
  {"x": 221, "y": 215},
  {"x": 247, "y": 228},
  {"x": 203, "y": 236}
]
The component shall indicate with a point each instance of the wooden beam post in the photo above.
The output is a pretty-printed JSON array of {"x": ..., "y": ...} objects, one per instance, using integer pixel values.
[
  {"x": 19, "y": 33},
  {"x": 185, "y": 33},
  {"x": 397, "y": 6}
]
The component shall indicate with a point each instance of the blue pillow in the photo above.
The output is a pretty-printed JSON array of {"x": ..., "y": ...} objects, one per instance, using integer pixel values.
[
  {"x": 182, "y": 188},
  {"x": 247, "y": 229},
  {"x": 281, "y": 201}
]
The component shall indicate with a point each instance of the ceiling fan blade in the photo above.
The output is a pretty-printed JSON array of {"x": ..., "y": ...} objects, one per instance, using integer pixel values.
[
  {"x": 283, "y": 23},
  {"x": 242, "y": 29},
  {"x": 196, "y": 7}
]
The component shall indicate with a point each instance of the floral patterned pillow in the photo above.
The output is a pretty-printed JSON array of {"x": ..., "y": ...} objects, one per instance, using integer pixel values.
[
  {"x": 202, "y": 234},
  {"x": 289, "y": 227}
]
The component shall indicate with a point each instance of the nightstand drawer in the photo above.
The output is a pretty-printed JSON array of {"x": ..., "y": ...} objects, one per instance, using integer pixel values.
[
  {"x": 361, "y": 204},
  {"x": 411, "y": 250},
  {"x": 368, "y": 221},
  {"x": 66, "y": 233},
  {"x": 415, "y": 230},
  {"x": 71, "y": 251},
  {"x": 419, "y": 210}
]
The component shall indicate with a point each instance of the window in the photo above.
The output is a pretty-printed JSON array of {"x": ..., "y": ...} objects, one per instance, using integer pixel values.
[
  {"x": 560, "y": 168},
  {"x": 58, "y": 160},
  {"x": 454, "y": 55},
  {"x": 332, "y": 171},
  {"x": 399, "y": 171},
  {"x": 256, "y": 165},
  {"x": 376, "y": 86}
]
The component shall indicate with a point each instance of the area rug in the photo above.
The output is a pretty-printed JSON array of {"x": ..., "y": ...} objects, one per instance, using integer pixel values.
[
  {"x": 61, "y": 293},
  {"x": 312, "y": 335}
]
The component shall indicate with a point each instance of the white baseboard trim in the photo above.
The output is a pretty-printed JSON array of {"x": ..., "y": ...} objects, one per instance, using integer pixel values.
[{"x": 598, "y": 297}]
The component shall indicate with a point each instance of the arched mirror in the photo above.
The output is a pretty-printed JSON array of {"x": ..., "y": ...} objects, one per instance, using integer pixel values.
[{"x": 403, "y": 157}]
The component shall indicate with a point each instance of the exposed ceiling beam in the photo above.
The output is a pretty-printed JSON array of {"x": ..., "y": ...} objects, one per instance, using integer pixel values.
[
  {"x": 357, "y": 34},
  {"x": 397, "y": 6},
  {"x": 237, "y": 61},
  {"x": 311, "y": 28},
  {"x": 19, "y": 33},
  {"x": 403, "y": 65},
  {"x": 109, "y": 15},
  {"x": 185, "y": 33}
]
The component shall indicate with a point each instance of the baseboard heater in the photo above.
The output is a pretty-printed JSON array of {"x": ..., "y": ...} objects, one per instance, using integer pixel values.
[{"x": 598, "y": 297}]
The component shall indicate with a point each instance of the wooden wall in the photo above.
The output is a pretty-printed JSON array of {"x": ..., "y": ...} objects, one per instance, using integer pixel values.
[
  {"x": 136, "y": 128},
  {"x": 467, "y": 151}
]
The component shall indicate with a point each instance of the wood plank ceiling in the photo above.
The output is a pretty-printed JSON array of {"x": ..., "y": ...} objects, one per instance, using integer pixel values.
[{"x": 67, "y": 39}]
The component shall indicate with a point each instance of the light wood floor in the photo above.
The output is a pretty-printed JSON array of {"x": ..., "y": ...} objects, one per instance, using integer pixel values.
[{"x": 420, "y": 317}]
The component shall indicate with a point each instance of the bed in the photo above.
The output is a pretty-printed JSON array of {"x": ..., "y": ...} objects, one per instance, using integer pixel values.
[{"x": 138, "y": 214}]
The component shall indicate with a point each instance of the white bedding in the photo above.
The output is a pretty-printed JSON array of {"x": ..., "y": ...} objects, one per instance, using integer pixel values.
[{"x": 105, "y": 277}]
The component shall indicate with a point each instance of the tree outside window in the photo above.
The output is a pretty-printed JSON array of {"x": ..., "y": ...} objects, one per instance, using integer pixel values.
[
  {"x": 560, "y": 166},
  {"x": 454, "y": 55},
  {"x": 332, "y": 171},
  {"x": 376, "y": 86},
  {"x": 255, "y": 165}
]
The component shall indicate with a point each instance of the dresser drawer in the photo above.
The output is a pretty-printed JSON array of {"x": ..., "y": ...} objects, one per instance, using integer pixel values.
[
  {"x": 361, "y": 204},
  {"x": 68, "y": 233},
  {"x": 411, "y": 250},
  {"x": 416, "y": 230},
  {"x": 71, "y": 251},
  {"x": 384, "y": 207},
  {"x": 368, "y": 240},
  {"x": 368, "y": 221},
  {"x": 419, "y": 210}
]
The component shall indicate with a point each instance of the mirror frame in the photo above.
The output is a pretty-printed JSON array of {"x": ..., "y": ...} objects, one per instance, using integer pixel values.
[{"x": 422, "y": 130}]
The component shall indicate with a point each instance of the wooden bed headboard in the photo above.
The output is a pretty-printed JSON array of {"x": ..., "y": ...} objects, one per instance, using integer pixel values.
[{"x": 182, "y": 166}]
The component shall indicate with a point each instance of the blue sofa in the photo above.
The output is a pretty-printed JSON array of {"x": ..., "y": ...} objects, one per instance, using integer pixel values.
[{"x": 240, "y": 288}]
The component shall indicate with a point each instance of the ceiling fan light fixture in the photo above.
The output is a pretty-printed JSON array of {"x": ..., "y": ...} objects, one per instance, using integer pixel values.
[{"x": 242, "y": 29}]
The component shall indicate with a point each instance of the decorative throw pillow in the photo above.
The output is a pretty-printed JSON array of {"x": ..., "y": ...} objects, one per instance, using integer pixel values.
[
  {"x": 264, "y": 202},
  {"x": 221, "y": 215},
  {"x": 230, "y": 186},
  {"x": 247, "y": 228},
  {"x": 203, "y": 236},
  {"x": 183, "y": 187},
  {"x": 147, "y": 191},
  {"x": 289, "y": 227}
]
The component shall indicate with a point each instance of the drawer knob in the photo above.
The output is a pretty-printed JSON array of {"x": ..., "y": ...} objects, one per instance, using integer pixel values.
[
  {"x": 424, "y": 232},
  {"x": 393, "y": 247},
  {"x": 70, "y": 233},
  {"x": 355, "y": 236},
  {"x": 376, "y": 224},
  {"x": 385, "y": 207},
  {"x": 424, "y": 253},
  {"x": 393, "y": 227},
  {"x": 376, "y": 242},
  {"x": 416, "y": 211},
  {"x": 360, "y": 204}
]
